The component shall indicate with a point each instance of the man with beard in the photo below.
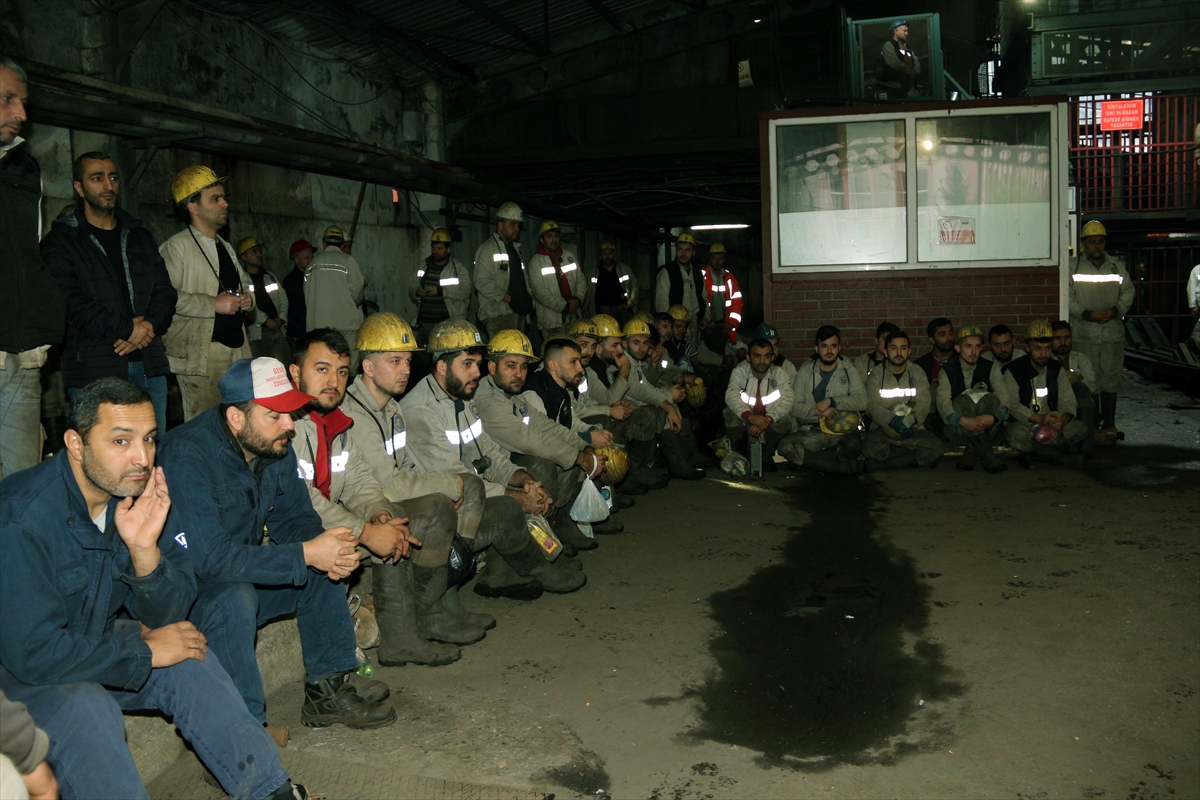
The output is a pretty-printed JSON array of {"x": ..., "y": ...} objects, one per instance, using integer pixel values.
[
  {"x": 206, "y": 335},
  {"x": 34, "y": 315},
  {"x": 234, "y": 473},
  {"x": 898, "y": 401},
  {"x": 968, "y": 400},
  {"x": 758, "y": 402},
  {"x": 941, "y": 337},
  {"x": 901, "y": 66},
  {"x": 548, "y": 451},
  {"x": 556, "y": 281},
  {"x": 1001, "y": 347},
  {"x": 612, "y": 288},
  {"x": 118, "y": 294},
  {"x": 441, "y": 288},
  {"x": 97, "y": 587},
  {"x": 827, "y": 389},
  {"x": 379, "y": 435},
  {"x": 344, "y": 492},
  {"x": 445, "y": 434},
  {"x": 1041, "y": 404},
  {"x": 1082, "y": 375},
  {"x": 868, "y": 361},
  {"x": 681, "y": 283}
]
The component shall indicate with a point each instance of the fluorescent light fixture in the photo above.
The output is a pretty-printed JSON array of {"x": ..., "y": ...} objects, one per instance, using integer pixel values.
[{"x": 721, "y": 226}]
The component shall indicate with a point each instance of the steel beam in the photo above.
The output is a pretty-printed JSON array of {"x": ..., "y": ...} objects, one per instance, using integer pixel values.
[
  {"x": 502, "y": 22},
  {"x": 606, "y": 14}
]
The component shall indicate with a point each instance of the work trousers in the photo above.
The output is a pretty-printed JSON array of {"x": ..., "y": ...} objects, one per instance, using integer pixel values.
[
  {"x": 1020, "y": 436},
  {"x": 988, "y": 404},
  {"x": 879, "y": 446},
  {"x": 201, "y": 392},
  {"x": 230, "y": 614},
  {"x": 561, "y": 484},
  {"x": 20, "y": 416},
  {"x": 1109, "y": 360},
  {"x": 87, "y": 730},
  {"x": 738, "y": 433}
]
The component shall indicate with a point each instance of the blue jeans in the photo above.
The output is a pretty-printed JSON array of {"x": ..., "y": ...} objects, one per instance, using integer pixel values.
[
  {"x": 87, "y": 731},
  {"x": 230, "y": 614},
  {"x": 20, "y": 416},
  {"x": 155, "y": 387}
]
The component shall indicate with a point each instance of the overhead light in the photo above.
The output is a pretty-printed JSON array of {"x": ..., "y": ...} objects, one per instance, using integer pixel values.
[
  {"x": 927, "y": 144},
  {"x": 757, "y": 21},
  {"x": 721, "y": 226}
]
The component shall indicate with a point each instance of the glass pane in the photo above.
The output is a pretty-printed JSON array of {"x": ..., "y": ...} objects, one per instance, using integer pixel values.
[
  {"x": 895, "y": 63},
  {"x": 983, "y": 187},
  {"x": 841, "y": 193}
]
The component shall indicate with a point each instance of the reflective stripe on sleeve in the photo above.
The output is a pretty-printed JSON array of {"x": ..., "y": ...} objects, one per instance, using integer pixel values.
[
  {"x": 448, "y": 282},
  {"x": 338, "y": 463},
  {"x": 547, "y": 270},
  {"x": 466, "y": 437}
]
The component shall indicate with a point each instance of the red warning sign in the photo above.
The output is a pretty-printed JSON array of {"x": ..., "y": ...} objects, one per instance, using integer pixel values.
[{"x": 1122, "y": 115}]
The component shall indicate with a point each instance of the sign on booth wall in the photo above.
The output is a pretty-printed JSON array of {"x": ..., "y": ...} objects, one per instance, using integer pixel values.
[
  {"x": 1122, "y": 115},
  {"x": 956, "y": 230}
]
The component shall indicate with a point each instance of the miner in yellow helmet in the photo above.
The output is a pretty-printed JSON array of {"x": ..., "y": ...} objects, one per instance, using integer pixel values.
[
  {"x": 681, "y": 281},
  {"x": 267, "y": 328},
  {"x": 203, "y": 343},
  {"x": 556, "y": 280},
  {"x": 1100, "y": 294},
  {"x": 446, "y": 434},
  {"x": 968, "y": 400},
  {"x": 1041, "y": 405},
  {"x": 612, "y": 287},
  {"x": 550, "y": 442},
  {"x": 441, "y": 287}
]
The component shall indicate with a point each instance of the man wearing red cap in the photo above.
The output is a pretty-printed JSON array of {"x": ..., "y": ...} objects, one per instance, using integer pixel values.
[
  {"x": 233, "y": 472},
  {"x": 301, "y": 253}
]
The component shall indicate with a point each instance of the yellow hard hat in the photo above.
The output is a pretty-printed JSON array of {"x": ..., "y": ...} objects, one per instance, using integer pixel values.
[
  {"x": 548, "y": 225},
  {"x": 1092, "y": 228},
  {"x": 686, "y": 238},
  {"x": 247, "y": 243},
  {"x": 607, "y": 245},
  {"x": 583, "y": 327},
  {"x": 644, "y": 316},
  {"x": 453, "y": 334},
  {"x": 716, "y": 247},
  {"x": 607, "y": 326},
  {"x": 441, "y": 235},
  {"x": 637, "y": 327},
  {"x": 1040, "y": 329},
  {"x": 334, "y": 235},
  {"x": 618, "y": 463},
  {"x": 385, "y": 333},
  {"x": 511, "y": 343},
  {"x": 842, "y": 422},
  {"x": 697, "y": 393},
  {"x": 190, "y": 180},
  {"x": 967, "y": 331},
  {"x": 680, "y": 313}
]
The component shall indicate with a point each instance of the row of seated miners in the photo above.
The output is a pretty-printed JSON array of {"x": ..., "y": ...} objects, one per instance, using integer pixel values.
[{"x": 1039, "y": 402}]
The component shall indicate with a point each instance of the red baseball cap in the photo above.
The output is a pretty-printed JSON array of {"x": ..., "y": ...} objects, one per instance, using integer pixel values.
[
  {"x": 263, "y": 380},
  {"x": 298, "y": 245}
]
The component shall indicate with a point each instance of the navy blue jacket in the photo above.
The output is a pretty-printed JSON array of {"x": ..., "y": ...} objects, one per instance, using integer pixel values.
[
  {"x": 63, "y": 585},
  {"x": 218, "y": 500}
]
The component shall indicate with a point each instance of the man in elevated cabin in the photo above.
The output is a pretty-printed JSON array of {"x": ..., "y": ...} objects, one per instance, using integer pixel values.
[
  {"x": 1101, "y": 294},
  {"x": 900, "y": 66}
]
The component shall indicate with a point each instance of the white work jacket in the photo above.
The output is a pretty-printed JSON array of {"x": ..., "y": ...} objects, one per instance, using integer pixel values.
[
  {"x": 845, "y": 389},
  {"x": 519, "y": 428},
  {"x": 774, "y": 389},
  {"x": 454, "y": 286},
  {"x": 548, "y": 301},
  {"x": 354, "y": 494},
  {"x": 491, "y": 276},
  {"x": 333, "y": 289},
  {"x": 278, "y": 296},
  {"x": 1097, "y": 288},
  {"x": 886, "y": 391}
]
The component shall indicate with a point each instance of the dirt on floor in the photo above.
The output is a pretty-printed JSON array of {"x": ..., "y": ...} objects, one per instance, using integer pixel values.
[{"x": 925, "y": 633}]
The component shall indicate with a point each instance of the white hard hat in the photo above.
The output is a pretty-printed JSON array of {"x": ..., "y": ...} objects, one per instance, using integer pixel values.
[{"x": 511, "y": 211}]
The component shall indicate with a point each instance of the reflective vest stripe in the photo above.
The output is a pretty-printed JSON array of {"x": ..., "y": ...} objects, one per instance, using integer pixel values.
[
  {"x": 469, "y": 435},
  {"x": 1082, "y": 277},
  {"x": 900, "y": 391},
  {"x": 397, "y": 443}
]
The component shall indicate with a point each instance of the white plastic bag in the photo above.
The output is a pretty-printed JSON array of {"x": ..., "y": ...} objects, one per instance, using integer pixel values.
[{"x": 589, "y": 505}]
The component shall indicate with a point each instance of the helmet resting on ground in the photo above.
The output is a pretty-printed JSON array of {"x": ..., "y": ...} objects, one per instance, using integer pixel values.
[{"x": 618, "y": 463}]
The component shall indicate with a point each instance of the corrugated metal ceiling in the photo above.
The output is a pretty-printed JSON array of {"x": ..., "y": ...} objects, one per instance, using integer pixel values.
[{"x": 413, "y": 41}]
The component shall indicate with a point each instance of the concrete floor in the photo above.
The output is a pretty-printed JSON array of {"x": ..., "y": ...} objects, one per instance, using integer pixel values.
[{"x": 914, "y": 634}]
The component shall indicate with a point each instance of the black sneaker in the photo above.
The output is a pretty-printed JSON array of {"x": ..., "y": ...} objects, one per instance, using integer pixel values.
[{"x": 334, "y": 701}]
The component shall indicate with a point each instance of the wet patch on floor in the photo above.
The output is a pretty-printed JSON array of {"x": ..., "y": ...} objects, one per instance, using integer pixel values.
[
  {"x": 583, "y": 775},
  {"x": 821, "y": 660},
  {"x": 1145, "y": 467}
]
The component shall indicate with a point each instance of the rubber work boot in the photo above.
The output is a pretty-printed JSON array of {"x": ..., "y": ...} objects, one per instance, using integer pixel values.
[
  {"x": 674, "y": 450},
  {"x": 370, "y": 689},
  {"x": 396, "y": 612},
  {"x": 453, "y": 603},
  {"x": 333, "y": 701},
  {"x": 434, "y": 620},
  {"x": 555, "y": 577},
  {"x": 986, "y": 455},
  {"x": 967, "y": 462},
  {"x": 621, "y": 501},
  {"x": 498, "y": 579},
  {"x": 568, "y": 532},
  {"x": 608, "y": 527}
]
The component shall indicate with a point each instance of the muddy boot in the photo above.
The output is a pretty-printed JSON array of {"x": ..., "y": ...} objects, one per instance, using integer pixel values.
[
  {"x": 370, "y": 689},
  {"x": 333, "y": 701},
  {"x": 453, "y": 603},
  {"x": 621, "y": 501},
  {"x": 985, "y": 454},
  {"x": 498, "y": 579},
  {"x": 434, "y": 620},
  {"x": 674, "y": 450},
  {"x": 568, "y": 532},
  {"x": 970, "y": 453},
  {"x": 608, "y": 527},
  {"x": 555, "y": 577},
  {"x": 396, "y": 612}
]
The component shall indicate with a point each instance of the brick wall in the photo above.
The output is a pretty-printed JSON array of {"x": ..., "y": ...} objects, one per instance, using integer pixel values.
[{"x": 856, "y": 303}]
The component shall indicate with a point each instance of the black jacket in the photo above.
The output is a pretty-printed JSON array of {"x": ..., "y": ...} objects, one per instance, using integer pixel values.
[
  {"x": 95, "y": 297},
  {"x": 34, "y": 312}
]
